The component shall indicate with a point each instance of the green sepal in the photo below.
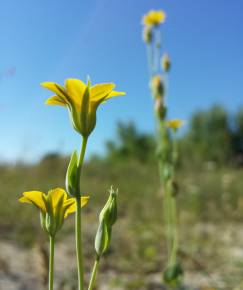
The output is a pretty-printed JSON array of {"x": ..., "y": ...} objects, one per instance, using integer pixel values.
[
  {"x": 84, "y": 114},
  {"x": 113, "y": 209},
  {"x": 43, "y": 221},
  {"x": 72, "y": 176},
  {"x": 59, "y": 214},
  {"x": 50, "y": 224}
]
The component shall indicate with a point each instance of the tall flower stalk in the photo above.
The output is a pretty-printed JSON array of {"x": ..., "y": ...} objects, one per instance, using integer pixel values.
[
  {"x": 166, "y": 145},
  {"x": 51, "y": 263},
  {"x": 78, "y": 221}
]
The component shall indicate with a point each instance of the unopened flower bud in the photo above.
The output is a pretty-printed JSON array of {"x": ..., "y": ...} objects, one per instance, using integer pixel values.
[
  {"x": 172, "y": 274},
  {"x": 147, "y": 34},
  {"x": 157, "y": 86},
  {"x": 107, "y": 218},
  {"x": 160, "y": 109},
  {"x": 174, "y": 188},
  {"x": 165, "y": 62}
]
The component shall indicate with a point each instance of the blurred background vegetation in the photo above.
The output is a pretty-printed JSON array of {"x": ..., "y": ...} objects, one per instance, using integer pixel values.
[{"x": 210, "y": 199}]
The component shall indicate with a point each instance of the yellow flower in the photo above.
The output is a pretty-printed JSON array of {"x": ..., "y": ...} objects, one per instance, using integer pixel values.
[
  {"x": 54, "y": 207},
  {"x": 175, "y": 124},
  {"x": 154, "y": 18},
  {"x": 82, "y": 101}
]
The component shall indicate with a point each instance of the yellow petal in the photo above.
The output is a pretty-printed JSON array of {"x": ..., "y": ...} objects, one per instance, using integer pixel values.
[
  {"x": 57, "y": 89},
  {"x": 175, "y": 123},
  {"x": 56, "y": 194},
  {"x": 75, "y": 90},
  {"x": 55, "y": 100},
  {"x": 100, "y": 91},
  {"x": 72, "y": 202},
  {"x": 34, "y": 197},
  {"x": 115, "y": 94},
  {"x": 154, "y": 18}
]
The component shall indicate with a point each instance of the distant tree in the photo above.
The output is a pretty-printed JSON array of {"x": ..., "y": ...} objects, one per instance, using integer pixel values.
[
  {"x": 209, "y": 136},
  {"x": 238, "y": 137},
  {"x": 131, "y": 144},
  {"x": 212, "y": 135}
]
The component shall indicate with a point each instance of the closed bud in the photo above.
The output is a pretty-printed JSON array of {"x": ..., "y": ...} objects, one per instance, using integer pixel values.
[
  {"x": 147, "y": 34},
  {"x": 174, "y": 188},
  {"x": 160, "y": 109},
  {"x": 165, "y": 62},
  {"x": 107, "y": 219},
  {"x": 157, "y": 86},
  {"x": 102, "y": 239},
  {"x": 173, "y": 274},
  {"x": 72, "y": 176}
]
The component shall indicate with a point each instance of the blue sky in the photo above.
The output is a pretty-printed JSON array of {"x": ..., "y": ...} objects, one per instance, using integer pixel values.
[{"x": 54, "y": 40}]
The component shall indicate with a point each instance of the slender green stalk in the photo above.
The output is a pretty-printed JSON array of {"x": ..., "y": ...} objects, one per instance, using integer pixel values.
[
  {"x": 82, "y": 153},
  {"x": 150, "y": 60},
  {"x": 78, "y": 223},
  {"x": 173, "y": 256},
  {"x": 51, "y": 262},
  {"x": 157, "y": 49},
  {"x": 93, "y": 275}
]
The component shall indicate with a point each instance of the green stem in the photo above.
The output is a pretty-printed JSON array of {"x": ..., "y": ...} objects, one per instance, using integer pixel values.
[
  {"x": 82, "y": 153},
  {"x": 157, "y": 50},
  {"x": 166, "y": 220},
  {"x": 51, "y": 262},
  {"x": 173, "y": 257},
  {"x": 78, "y": 223},
  {"x": 150, "y": 60},
  {"x": 93, "y": 275}
]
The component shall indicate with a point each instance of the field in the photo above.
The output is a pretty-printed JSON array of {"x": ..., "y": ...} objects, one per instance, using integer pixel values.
[{"x": 210, "y": 217}]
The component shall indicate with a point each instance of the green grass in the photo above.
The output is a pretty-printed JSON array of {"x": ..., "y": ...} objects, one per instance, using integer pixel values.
[{"x": 210, "y": 203}]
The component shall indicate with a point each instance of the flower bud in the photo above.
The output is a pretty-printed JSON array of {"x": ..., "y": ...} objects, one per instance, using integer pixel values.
[
  {"x": 107, "y": 219},
  {"x": 172, "y": 274},
  {"x": 72, "y": 176},
  {"x": 160, "y": 109},
  {"x": 173, "y": 188},
  {"x": 157, "y": 86},
  {"x": 165, "y": 62},
  {"x": 147, "y": 34}
]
